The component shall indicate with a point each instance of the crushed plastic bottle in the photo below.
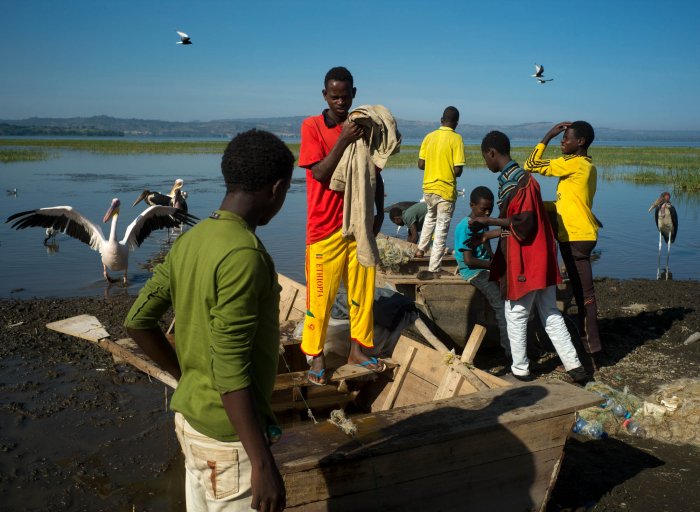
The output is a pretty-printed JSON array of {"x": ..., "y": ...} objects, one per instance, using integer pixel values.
[
  {"x": 616, "y": 407},
  {"x": 634, "y": 428},
  {"x": 592, "y": 429}
]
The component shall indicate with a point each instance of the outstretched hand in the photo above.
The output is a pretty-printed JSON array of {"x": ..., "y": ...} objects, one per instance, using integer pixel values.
[{"x": 478, "y": 223}]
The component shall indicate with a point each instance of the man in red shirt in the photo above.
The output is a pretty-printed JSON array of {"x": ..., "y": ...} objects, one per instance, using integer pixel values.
[{"x": 331, "y": 258}]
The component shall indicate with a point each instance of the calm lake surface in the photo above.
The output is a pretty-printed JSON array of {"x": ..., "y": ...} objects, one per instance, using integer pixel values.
[{"x": 628, "y": 243}]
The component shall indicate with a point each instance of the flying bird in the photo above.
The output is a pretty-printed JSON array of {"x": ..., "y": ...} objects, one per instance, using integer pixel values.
[
  {"x": 539, "y": 74},
  {"x": 184, "y": 38},
  {"x": 114, "y": 253},
  {"x": 666, "y": 220}
]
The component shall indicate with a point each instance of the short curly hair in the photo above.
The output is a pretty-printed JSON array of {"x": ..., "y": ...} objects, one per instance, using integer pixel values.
[
  {"x": 254, "y": 159},
  {"x": 496, "y": 140},
  {"x": 584, "y": 130},
  {"x": 339, "y": 74},
  {"x": 480, "y": 193}
]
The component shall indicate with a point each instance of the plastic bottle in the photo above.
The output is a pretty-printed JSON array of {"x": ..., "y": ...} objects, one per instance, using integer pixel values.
[
  {"x": 634, "y": 428},
  {"x": 592, "y": 429},
  {"x": 616, "y": 407}
]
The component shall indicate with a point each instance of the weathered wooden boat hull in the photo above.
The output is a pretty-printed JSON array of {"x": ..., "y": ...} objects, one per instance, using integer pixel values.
[{"x": 497, "y": 449}]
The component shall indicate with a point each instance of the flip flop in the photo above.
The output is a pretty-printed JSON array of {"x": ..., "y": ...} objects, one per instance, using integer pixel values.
[
  {"x": 375, "y": 361},
  {"x": 319, "y": 375}
]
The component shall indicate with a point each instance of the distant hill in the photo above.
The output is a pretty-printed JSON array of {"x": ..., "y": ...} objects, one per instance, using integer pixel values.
[{"x": 288, "y": 128}]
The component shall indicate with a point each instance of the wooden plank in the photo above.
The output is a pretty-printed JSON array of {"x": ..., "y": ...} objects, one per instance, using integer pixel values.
[
  {"x": 473, "y": 343},
  {"x": 399, "y": 378},
  {"x": 472, "y": 488},
  {"x": 297, "y": 310},
  {"x": 86, "y": 327},
  {"x": 346, "y": 372},
  {"x": 127, "y": 343},
  {"x": 287, "y": 297}
]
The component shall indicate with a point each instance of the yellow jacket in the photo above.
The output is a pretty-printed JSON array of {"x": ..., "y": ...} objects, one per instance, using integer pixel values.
[{"x": 575, "y": 192}]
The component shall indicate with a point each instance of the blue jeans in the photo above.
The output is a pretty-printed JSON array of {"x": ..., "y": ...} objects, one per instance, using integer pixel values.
[{"x": 492, "y": 292}]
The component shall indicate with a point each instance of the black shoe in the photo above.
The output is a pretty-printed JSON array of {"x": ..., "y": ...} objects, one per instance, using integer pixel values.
[
  {"x": 524, "y": 378},
  {"x": 579, "y": 375}
]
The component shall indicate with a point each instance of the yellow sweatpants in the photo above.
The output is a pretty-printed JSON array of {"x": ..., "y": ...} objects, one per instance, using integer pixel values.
[{"x": 327, "y": 262}]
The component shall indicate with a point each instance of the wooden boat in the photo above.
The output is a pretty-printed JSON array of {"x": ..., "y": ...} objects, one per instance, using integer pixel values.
[
  {"x": 439, "y": 434},
  {"x": 453, "y": 305}
]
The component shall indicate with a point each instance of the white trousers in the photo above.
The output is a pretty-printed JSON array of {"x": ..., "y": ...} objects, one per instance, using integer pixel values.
[
  {"x": 217, "y": 473},
  {"x": 437, "y": 220},
  {"x": 517, "y": 314}
]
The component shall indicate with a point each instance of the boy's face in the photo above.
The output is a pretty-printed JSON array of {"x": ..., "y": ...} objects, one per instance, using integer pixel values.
[
  {"x": 278, "y": 195},
  {"x": 397, "y": 220},
  {"x": 339, "y": 96},
  {"x": 490, "y": 159},
  {"x": 482, "y": 208},
  {"x": 570, "y": 143}
]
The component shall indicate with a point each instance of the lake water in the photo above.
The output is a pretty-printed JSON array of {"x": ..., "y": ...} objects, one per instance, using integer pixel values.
[{"x": 87, "y": 182}]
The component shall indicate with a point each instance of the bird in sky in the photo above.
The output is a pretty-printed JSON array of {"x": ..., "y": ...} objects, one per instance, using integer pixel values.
[
  {"x": 666, "y": 220},
  {"x": 184, "y": 38},
  {"x": 539, "y": 74},
  {"x": 114, "y": 253}
]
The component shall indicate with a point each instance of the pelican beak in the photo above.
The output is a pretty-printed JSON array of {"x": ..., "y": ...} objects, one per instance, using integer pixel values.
[
  {"x": 113, "y": 210},
  {"x": 141, "y": 197}
]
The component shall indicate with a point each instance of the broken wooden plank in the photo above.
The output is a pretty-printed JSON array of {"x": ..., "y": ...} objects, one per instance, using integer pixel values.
[
  {"x": 345, "y": 372},
  {"x": 399, "y": 378},
  {"x": 473, "y": 343}
]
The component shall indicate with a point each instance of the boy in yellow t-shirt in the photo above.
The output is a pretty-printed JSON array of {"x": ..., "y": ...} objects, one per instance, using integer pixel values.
[
  {"x": 576, "y": 226},
  {"x": 441, "y": 156}
]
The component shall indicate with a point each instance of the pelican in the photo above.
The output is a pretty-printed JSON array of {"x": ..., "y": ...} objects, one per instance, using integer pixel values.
[
  {"x": 667, "y": 223},
  {"x": 184, "y": 38},
  {"x": 158, "y": 199},
  {"x": 115, "y": 254}
]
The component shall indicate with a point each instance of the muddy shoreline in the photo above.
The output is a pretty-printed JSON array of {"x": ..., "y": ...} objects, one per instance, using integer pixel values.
[{"x": 79, "y": 432}]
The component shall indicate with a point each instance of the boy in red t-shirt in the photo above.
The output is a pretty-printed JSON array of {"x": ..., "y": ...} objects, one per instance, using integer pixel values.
[
  {"x": 525, "y": 262},
  {"x": 331, "y": 258}
]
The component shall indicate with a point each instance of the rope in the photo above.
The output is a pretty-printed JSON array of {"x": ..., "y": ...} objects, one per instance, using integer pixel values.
[{"x": 309, "y": 413}]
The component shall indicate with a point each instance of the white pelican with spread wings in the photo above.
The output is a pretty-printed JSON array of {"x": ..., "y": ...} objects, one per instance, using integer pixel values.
[{"x": 115, "y": 254}]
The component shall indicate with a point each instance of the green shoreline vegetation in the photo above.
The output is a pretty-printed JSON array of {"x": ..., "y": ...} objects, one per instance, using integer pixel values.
[{"x": 677, "y": 166}]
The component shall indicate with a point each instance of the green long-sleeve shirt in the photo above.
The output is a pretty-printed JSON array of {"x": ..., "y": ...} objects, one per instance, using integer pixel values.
[{"x": 223, "y": 287}]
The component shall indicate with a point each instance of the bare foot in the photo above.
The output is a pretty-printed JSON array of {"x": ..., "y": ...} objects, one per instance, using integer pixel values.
[{"x": 419, "y": 254}]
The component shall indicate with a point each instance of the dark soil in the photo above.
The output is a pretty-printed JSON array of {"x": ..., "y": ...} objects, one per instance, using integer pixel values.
[{"x": 79, "y": 432}]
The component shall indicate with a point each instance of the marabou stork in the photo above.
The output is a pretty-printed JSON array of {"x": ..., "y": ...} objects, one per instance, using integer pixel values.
[
  {"x": 158, "y": 199},
  {"x": 667, "y": 223},
  {"x": 115, "y": 254}
]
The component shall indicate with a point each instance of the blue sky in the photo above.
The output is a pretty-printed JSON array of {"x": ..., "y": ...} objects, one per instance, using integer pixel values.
[{"x": 621, "y": 64}]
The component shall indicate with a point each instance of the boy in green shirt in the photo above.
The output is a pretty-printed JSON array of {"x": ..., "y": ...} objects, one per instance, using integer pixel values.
[{"x": 222, "y": 285}]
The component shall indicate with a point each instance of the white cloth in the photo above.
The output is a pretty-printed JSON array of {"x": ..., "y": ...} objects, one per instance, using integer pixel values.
[
  {"x": 517, "y": 314},
  {"x": 217, "y": 473},
  {"x": 355, "y": 175}
]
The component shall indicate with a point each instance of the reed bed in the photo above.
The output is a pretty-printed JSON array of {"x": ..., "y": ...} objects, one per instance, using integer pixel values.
[
  {"x": 674, "y": 166},
  {"x": 22, "y": 155}
]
